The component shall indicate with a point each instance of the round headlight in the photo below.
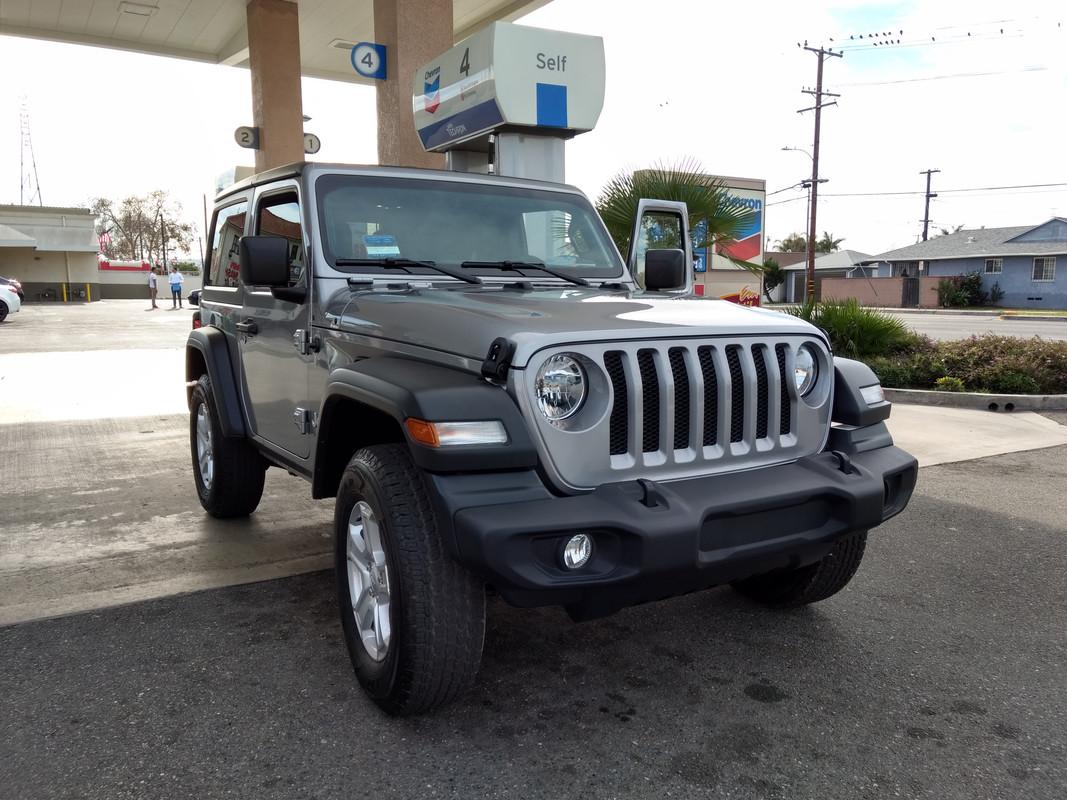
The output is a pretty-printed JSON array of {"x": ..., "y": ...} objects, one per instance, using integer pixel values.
[
  {"x": 805, "y": 369},
  {"x": 560, "y": 387}
]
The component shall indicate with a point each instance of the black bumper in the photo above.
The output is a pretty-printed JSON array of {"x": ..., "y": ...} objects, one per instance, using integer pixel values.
[{"x": 655, "y": 540}]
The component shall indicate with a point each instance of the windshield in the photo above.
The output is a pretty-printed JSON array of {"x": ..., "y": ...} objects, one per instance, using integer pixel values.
[{"x": 476, "y": 227}]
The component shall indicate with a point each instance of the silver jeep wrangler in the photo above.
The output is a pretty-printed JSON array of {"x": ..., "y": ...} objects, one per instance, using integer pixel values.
[{"x": 496, "y": 399}]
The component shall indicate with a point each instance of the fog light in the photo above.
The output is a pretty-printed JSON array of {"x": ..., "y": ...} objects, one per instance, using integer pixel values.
[{"x": 577, "y": 551}]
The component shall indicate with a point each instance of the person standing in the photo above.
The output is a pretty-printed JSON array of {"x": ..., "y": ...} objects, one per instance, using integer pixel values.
[
  {"x": 176, "y": 281},
  {"x": 153, "y": 287}
]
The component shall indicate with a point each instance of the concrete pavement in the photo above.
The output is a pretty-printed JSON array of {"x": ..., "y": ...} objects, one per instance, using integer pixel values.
[{"x": 99, "y": 502}]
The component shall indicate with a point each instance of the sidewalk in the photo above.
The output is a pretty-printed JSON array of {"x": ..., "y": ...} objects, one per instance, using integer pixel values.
[{"x": 941, "y": 435}]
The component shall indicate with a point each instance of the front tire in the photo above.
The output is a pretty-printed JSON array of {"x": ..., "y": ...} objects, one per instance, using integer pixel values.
[
  {"x": 809, "y": 584},
  {"x": 413, "y": 619},
  {"x": 229, "y": 473}
]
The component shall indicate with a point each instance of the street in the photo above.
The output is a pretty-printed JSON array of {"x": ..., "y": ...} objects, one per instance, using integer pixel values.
[
  {"x": 149, "y": 651},
  {"x": 949, "y": 326}
]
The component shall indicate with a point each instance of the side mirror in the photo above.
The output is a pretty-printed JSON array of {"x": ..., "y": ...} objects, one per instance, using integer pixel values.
[
  {"x": 264, "y": 261},
  {"x": 665, "y": 269}
]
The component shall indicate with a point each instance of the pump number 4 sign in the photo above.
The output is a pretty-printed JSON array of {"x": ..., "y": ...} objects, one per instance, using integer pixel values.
[{"x": 368, "y": 59}]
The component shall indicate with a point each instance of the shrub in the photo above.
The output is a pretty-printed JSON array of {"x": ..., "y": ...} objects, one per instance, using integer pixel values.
[
  {"x": 981, "y": 364},
  {"x": 960, "y": 291},
  {"x": 946, "y": 293},
  {"x": 1015, "y": 383},
  {"x": 855, "y": 331},
  {"x": 948, "y": 384},
  {"x": 891, "y": 371}
]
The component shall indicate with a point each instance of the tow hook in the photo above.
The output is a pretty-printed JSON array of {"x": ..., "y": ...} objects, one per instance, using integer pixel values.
[{"x": 844, "y": 463}]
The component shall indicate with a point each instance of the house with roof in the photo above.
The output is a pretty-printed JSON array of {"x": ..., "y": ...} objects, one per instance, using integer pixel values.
[
  {"x": 839, "y": 264},
  {"x": 1020, "y": 262}
]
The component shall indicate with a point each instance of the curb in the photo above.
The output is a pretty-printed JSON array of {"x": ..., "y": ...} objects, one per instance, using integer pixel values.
[
  {"x": 1032, "y": 317},
  {"x": 984, "y": 402}
]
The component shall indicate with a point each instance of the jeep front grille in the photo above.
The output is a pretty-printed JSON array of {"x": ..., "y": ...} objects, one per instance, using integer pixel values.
[
  {"x": 679, "y": 408},
  {"x": 741, "y": 375}
]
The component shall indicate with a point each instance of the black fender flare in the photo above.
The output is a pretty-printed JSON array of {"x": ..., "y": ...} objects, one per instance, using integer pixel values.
[
  {"x": 849, "y": 406},
  {"x": 209, "y": 345},
  {"x": 406, "y": 389}
]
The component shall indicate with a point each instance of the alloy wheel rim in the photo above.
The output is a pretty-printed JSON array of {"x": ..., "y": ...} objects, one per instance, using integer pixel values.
[
  {"x": 368, "y": 581},
  {"x": 205, "y": 456}
]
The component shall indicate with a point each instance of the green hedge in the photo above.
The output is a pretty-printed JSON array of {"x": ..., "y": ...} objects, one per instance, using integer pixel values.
[{"x": 998, "y": 364}]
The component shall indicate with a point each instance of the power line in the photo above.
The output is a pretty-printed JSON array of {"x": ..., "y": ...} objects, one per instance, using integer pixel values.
[
  {"x": 896, "y": 37},
  {"x": 947, "y": 191},
  {"x": 1033, "y": 68}
]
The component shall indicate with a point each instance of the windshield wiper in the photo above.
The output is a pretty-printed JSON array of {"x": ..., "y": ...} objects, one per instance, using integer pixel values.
[
  {"x": 391, "y": 262},
  {"x": 515, "y": 266}
]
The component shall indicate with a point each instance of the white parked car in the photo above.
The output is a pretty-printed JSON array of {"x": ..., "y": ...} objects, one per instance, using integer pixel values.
[{"x": 9, "y": 301}]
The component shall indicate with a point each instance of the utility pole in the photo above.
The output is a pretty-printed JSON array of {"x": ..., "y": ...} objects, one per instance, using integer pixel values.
[
  {"x": 818, "y": 94},
  {"x": 163, "y": 241},
  {"x": 926, "y": 216}
]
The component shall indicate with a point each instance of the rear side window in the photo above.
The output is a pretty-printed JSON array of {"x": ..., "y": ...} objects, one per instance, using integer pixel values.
[{"x": 225, "y": 266}]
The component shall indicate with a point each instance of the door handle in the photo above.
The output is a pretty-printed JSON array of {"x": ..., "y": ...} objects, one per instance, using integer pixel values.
[{"x": 248, "y": 327}]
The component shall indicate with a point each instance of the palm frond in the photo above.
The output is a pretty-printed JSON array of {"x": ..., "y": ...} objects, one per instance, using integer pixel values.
[{"x": 705, "y": 197}]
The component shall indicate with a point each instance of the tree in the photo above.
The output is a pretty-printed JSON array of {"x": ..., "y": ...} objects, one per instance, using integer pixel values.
[
  {"x": 828, "y": 244},
  {"x": 773, "y": 276},
  {"x": 947, "y": 232},
  {"x": 793, "y": 243},
  {"x": 711, "y": 214},
  {"x": 137, "y": 227}
]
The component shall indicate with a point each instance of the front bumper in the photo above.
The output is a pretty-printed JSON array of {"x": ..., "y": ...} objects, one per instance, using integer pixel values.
[{"x": 655, "y": 540}]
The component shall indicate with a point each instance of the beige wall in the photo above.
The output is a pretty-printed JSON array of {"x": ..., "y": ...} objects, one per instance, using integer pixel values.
[
  {"x": 57, "y": 251},
  {"x": 878, "y": 292}
]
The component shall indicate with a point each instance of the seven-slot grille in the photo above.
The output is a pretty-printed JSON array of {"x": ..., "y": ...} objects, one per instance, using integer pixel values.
[{"x": 693, "y": 397}]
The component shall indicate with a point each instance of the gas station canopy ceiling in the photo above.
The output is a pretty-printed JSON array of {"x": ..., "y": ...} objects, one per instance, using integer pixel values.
[{"x": 215, "y": 31}]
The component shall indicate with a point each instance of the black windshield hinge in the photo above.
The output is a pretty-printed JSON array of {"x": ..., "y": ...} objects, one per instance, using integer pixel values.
[{"x": 496, "y": 364}]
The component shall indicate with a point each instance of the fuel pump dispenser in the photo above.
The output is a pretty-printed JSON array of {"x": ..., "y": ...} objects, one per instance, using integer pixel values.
[{"x": 505, "y": 100}]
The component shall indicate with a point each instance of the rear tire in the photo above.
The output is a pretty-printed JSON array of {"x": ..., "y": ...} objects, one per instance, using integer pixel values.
[
  {"x": 228, "y": 472},
  {"x": 413, "y": 619},
  {"x": 809, "y": 584}
]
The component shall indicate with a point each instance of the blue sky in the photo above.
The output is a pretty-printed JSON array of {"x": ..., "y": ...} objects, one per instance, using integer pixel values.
[{"x": 717, "y": 82}]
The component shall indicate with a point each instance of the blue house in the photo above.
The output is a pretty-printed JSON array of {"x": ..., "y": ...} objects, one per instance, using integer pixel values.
[{"x": 1021, "y": 262}]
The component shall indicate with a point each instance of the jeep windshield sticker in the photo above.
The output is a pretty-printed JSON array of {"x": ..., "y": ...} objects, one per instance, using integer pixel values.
[{"x": 380, "y": 246}]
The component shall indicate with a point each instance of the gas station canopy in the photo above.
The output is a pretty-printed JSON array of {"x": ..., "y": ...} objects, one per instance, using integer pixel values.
[{"x": 216, "y": 31}]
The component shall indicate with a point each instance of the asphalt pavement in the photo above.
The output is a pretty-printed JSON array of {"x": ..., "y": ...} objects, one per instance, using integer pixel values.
[{"x": 165, "y": 655}]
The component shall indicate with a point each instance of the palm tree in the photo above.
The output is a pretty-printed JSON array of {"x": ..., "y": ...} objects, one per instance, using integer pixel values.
[
  {"x": 705, "y": 197},
  {"x": 828, "y": 244},
  {"x": 948, "y": 231},
  {"x": 793, "y": 243}
]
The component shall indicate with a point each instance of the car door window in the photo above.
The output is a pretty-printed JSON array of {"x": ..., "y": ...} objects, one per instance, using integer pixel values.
[
  {"x": 225, "y": 245},
  {"x": 279, "y": 215}
]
